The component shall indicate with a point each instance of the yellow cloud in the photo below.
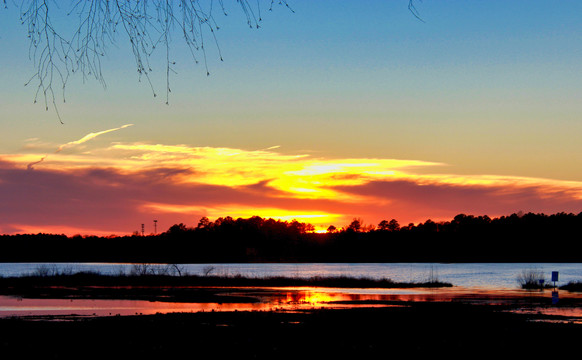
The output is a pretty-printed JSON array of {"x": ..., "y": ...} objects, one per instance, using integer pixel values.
[
  {"x": 299, "y": 176},
  {"x": 272, "y": 184}
]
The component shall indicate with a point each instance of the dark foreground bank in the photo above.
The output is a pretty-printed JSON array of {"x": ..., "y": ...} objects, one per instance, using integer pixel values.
[{"x": 456, "y": 330}]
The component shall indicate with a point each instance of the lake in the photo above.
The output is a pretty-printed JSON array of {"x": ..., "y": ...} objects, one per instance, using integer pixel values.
[
  {"x": 491, "y": 282},
  {"x": 470, "y": 275}
]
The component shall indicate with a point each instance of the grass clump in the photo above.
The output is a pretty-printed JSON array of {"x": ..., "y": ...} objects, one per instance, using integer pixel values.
[{"x": 532, "y": 279}]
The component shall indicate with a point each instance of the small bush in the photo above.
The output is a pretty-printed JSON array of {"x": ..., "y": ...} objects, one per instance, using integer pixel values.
[{"x": 532, "y": 279}]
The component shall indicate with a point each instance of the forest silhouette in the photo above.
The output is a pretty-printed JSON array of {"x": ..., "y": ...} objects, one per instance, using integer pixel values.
[{"x": 466, "y": 238}]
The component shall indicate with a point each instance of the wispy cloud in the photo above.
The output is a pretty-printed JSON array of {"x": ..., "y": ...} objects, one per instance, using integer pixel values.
[
  {"x": 85, "y": 138},
  {"x": 89, "y": 136}
]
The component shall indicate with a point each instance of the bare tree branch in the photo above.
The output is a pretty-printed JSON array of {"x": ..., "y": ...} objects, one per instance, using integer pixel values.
[
  {"x": 147, "y": 24},
  {"x": 413, "y": 10}
]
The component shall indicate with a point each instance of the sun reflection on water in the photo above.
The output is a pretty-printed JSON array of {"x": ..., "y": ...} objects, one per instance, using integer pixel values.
[
  {"x": 287, "y": 299},
  {"x": 313, "y": 298}
]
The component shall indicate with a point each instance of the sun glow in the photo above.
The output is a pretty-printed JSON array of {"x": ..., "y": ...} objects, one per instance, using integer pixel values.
[
  {"x": 317, "y": 219},
  {"x": 219, "y": 182}
]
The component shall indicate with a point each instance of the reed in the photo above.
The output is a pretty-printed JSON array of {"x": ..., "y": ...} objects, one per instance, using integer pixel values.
[{"x": 162, "y": 275}]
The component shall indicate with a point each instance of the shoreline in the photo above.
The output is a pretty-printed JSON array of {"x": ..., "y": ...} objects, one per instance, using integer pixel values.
[
  {"x": 423, "y": 328},
  {"x": 424, "y": 321}
]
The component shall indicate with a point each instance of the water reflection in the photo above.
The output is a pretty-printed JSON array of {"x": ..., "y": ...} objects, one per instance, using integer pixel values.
[
  {"x": 289, "y": 299},
  {"x": 271, "y": 299},
  {"x": 10, "y": 306}
]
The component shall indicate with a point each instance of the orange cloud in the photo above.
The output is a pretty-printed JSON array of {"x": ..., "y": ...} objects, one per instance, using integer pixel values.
[{"x": 118, "y": 187}]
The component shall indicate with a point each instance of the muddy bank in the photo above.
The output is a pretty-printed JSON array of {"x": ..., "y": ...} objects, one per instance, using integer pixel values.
[{"x": 430, "y": 328}]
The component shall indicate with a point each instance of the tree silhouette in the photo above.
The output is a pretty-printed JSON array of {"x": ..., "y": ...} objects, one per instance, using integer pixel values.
[
  {"x": 331, "y": 229},
  {"x": 383, "y": 225},
  {"x": 355, "y": 225},
  {"x": 466, "y": 238},
  {"x": 391, "y": 225},
  {"x": 203, "y": 223}
]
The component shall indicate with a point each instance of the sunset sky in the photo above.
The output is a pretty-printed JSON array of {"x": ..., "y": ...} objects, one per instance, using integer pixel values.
[{"x": 337, "y": 110}]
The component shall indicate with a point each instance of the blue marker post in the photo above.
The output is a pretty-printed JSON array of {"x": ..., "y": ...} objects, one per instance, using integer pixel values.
[
  {"x": 554, "y": 278},
  {"x": 555, "y": 296}
]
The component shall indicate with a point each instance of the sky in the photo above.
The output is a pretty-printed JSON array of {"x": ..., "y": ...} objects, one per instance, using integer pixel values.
[{"x": 332, "y": 111}]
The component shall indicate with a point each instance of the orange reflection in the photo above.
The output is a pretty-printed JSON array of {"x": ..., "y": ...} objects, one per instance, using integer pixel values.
[
  {"x": 302, "y": 298},
  {"x": 314, "y": 298}
]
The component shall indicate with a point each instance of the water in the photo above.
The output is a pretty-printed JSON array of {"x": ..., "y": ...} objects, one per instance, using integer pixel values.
[
  {"x": 469, "y": 275},
  {"x": 490, "y": 282}
]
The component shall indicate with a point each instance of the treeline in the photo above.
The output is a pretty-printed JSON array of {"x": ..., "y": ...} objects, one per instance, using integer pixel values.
[{"x": 466, "y": 238}]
